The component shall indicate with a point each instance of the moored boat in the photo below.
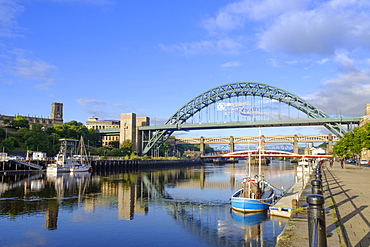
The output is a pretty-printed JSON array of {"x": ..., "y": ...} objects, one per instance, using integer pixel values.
[
  {"x": 256, "y": 194},
  {"x": 303, "y": 165},
  {"x": 66, "y": 159}
]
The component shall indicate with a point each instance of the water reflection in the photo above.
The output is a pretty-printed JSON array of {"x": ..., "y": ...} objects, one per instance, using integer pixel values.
[{"x": 195, "y": 198}]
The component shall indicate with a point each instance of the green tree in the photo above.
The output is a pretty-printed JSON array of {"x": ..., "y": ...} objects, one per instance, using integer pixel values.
[
  {"x": 126, "y": 147},
  {"x": 2, "y": 134},
  {"x": 37, "y": 140},
  {"x": 21, "y": 133},
  {"x": 6, "y": 121},
  {"x": 353, "y": 142},
  {"x": 20, "y": 122},
  {"x": 75, "y": 130},
  {"x": 9, "y": 143},
  {"x": 165, "y": 150}
]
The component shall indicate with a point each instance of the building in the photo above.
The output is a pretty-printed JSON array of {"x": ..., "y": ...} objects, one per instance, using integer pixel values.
[
  {"x": 365, "y": 119},
  {"x": 107, "y": 140},
  {"x": 127, "y": 128},
  {"x": 56, "y": 117}
]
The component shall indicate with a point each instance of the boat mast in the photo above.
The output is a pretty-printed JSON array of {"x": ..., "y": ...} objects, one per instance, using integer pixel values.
[
  {"x": 249, "y": 161},
  {"x": 259, "y": 155}
]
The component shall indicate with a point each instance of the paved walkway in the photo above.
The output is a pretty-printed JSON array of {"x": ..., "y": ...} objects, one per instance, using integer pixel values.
[
  {"x": 350, "y": 192},
  {"x": 347, "y": 194}
]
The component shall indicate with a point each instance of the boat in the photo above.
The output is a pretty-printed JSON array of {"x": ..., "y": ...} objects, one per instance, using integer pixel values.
[
  {"x": 256, "y": 194},
  {"x": 303, "y": 165},
  {"x": 67, "y": 160}
]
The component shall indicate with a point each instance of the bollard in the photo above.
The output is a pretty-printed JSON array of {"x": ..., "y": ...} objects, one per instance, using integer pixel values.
[
  {"x": 316, "y": 221},
  {"x": 316, "y": 186},
  {"x": 294, "y": 204},
  {"x": 318, "y": 176}
]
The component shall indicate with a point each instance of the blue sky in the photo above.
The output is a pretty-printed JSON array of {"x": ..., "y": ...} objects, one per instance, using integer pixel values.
[{"x": 105, "y": 57}]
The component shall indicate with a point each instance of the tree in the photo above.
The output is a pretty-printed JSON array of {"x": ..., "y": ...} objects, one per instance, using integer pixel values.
[
  {"x": 6, "y": 121},
  {"x": 9, "y": 143},
  {"x": 353, "y": 142},
  {"x": 20, "y": 122},
  {"x": 126, "y": 147},
  {"x": 2, "y": 134},
  {"x": 21, "y": 133},
  {"x": 75, "y": 130},
  {"x": 37, "y": 139}
]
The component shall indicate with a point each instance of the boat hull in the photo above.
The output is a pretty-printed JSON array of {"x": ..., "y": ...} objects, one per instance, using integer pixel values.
[
  {"x": 248, "y": 205},
  {"x": 54, "y": 169},
  {"x": 80, "y": 169}
]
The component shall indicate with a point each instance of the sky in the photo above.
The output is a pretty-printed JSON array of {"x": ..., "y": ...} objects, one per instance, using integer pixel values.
[{"x": 105, "y": 57}]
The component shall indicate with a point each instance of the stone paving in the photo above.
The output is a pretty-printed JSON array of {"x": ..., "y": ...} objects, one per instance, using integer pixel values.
[
  {"x": 347, "y": 193},
  {"x": 349, "y": 188}
]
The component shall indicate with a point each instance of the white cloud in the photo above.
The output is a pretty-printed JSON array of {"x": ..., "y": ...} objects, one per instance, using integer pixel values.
[
  {"x": 346, "y": 95},
  {"x": 98, "y": 108},
  {"x": 295, "y": 27},
  {"x": 345, "y": 64},
  {"x": 321, "y": 30},
  {"x": 230, "y": 64},
  {"x": 235, "y": 15},
  {"x": 226, "y": 46},
  {"x": 30, "y": 68},
  {"x": 9, "y": 10}
]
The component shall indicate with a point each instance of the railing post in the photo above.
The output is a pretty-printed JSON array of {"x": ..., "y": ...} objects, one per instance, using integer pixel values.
[{"x": 316, "y": 221}]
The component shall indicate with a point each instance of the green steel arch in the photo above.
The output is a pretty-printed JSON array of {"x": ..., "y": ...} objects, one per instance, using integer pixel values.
[{"x": 234, "y": 90}]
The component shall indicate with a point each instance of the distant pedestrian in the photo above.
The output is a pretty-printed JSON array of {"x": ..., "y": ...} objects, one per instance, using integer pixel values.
[
  {"x": 331, "y": 163},
  {"x": 341, "y": 163}
]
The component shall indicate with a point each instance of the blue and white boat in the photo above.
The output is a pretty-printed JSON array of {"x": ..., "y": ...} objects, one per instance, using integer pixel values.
[{"x": 256, "y": 194}]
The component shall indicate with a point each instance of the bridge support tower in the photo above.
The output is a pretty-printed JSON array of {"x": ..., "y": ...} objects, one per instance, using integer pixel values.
[
  {"x": 232, "y": 145},
  {"x": 295, "y": 144},
  {"x": 129, "y": 130},
  {"x": 329, "y": 149},
  {"x": 202, "y": 148},
  {"x": 263, "y": 142}
]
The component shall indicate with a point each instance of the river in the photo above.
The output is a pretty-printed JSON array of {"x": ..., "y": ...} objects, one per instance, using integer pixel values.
[{"x": 164, "y": 207}]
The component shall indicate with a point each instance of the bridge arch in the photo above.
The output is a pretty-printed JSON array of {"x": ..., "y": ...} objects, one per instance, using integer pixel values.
[{"x": 231, "y": 90}]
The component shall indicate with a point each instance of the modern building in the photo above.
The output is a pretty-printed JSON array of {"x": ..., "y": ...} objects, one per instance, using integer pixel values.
[{"x": 56, "y": 117}]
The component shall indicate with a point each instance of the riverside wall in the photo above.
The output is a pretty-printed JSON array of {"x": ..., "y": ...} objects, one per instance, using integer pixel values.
[{"x": 109, "y": 165}]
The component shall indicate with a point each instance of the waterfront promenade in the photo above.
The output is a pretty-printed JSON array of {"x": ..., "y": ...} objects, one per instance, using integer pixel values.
[
  {"x": 349, "y": 191},
  {"x": 347, "y": 209}
]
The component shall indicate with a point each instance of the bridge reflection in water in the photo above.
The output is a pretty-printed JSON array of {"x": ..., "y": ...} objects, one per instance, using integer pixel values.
[{"x": 187, "y": 206}]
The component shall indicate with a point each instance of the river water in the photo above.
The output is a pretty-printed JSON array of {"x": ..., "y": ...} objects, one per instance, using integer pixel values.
[{"x": 165, "y": 207}]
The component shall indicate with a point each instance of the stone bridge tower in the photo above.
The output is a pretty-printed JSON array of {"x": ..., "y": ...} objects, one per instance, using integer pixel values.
[{"x": 129, "y": 129}]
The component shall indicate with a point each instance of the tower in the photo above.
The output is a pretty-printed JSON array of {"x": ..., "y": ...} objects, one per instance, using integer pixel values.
[
  {"x": 128, "y": 128},
  {"x": 57, "y": 112}
]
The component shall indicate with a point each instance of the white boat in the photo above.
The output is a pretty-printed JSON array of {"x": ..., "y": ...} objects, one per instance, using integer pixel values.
[
  {"x": 67, "y": 160},
  {"x": 303, "y": 165}
]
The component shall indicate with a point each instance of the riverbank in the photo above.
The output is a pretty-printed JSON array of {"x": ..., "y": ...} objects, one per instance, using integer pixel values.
[
  {"x": 108, "y": 165},
  {"x": 347, "y": 209}
]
